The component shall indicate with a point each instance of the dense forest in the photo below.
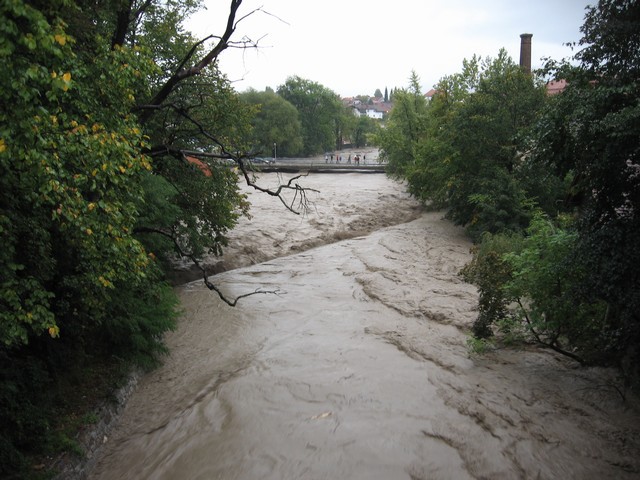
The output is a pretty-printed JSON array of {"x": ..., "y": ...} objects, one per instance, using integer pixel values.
[{"x": 548, "y": 187}]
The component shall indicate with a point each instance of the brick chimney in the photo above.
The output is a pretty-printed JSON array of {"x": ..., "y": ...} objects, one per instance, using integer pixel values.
[{"x": 525, "y": 52}]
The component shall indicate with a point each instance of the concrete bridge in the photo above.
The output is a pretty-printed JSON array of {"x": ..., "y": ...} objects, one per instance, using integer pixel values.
[{"x": 305, "y": 166}]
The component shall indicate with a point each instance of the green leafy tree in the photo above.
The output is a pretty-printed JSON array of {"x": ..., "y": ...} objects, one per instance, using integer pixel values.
[
  {"x": 345, "y": 124},
  {"x": 405, "y": 130},
  {"x": 590, "y": 134},
  {"x": 364, "y": 131},
  {"x": 527, "y": 291},
  {"x": 318, "y": 107},
  {"x": 112, "y": 133},
  {"x": 71, "y": 169},
  {"x": 484, "y": 191},
  {"x": 276, "y": 122},
  {"x": 461, "y": 152}
]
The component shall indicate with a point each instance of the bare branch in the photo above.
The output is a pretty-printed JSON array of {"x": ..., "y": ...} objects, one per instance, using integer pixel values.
[
  {"x": 553, "y": 345},
  {"x": 298, "y": 204},
  {"x": 300, "y": 193},
  {"x": 211, "y": 286},
  {"x": 208, "y": 59}
]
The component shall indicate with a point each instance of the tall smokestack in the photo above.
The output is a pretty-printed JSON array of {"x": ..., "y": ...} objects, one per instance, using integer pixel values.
[{"x": 525, "y": 52}]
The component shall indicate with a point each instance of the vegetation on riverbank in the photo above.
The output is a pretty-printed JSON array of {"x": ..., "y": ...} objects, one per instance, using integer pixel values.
[
  {"x": 116, "y": 137},
  {"x": 548, "y": 187},
  {"x": 100, "y": 111}
]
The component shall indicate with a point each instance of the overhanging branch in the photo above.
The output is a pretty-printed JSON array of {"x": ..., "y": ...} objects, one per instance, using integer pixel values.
[
  {"x": 205, "y": 276},
  {"x": 186, "y": 72}
]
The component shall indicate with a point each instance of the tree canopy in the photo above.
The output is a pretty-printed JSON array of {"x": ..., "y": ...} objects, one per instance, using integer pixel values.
[
  {"x": 548, "y": 186},
  {"x": 114, "y": 127},
  {"x": 319, "y": 109},
  {"x": 276, "y": 122}
]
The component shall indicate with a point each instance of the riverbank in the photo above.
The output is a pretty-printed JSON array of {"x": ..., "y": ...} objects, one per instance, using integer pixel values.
[{"x": 357, "y": 365}]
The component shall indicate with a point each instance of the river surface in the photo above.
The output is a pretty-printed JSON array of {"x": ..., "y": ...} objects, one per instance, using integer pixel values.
[{"x": 357, "y": 366}]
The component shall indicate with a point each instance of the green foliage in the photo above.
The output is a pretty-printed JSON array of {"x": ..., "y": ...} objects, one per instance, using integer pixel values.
[
  {"x": 138, "y": 318},
  {"x": 319, "y": 109},
  {"x": 69, "y": 181},
  {"x": 527, "y": 284},
  {"x": 484, "y": 193},
  {"x": 490, "y": 272},
  {"x": 461, "y": 150},
  {"x": 83, "y": 180},
  {"x": 364, "y": 131},
  {"x": 479, "y": 346},
  {"x": 404, "y": 132},
  {"x": 591, "y": 135},
  {"x": 277, "y": 121},
  {"x": 543, "y": 285}
]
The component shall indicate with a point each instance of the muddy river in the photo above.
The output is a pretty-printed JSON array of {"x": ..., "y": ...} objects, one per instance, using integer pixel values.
[{"x": 357, "y": 366}]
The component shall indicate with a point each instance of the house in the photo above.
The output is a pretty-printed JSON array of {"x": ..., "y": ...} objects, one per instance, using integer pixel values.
[
  {"x": 376, "y": 111},
  {"x": 430, "y": 94},
  {"x": 556, "y": 86}
]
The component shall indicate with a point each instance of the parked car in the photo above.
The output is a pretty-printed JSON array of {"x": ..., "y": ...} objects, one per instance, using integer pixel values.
[{"x": 262, "y": 160}]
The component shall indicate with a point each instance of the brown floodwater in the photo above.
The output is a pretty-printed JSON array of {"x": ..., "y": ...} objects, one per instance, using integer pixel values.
[{"x": 357, "y": 366}]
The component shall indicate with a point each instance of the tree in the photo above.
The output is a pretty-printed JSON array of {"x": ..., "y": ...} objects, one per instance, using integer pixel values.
[
  {"x": 461, "y": 151},
  {"x": 277, "y": 121},
  {"x": 76, "y": 285},
  {"x": 377, "y": 93},
  {"x": 364, "y": 131},
  {"x": 485, "y": 194},
  {"x": 318, "y": 108},
  {"x": 113, "y": 128},
  {"x": 535, "y": 273},
  {"x": 386, "y": 95},
  {"x": 405, "y": 130},
  {"x": 590, "y": 134}
]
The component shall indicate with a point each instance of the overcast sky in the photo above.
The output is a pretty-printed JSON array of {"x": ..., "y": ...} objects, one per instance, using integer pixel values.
[{"x": 356, "y": 46}]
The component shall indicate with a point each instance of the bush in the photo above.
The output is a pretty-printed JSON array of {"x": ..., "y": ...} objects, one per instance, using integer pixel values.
[
  {"x": 533, "y": 282},
  {"x": 490, "y": 272}
]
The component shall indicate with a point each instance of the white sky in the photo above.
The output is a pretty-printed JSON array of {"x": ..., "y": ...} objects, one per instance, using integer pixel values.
[{"x": 356, "y": 46}]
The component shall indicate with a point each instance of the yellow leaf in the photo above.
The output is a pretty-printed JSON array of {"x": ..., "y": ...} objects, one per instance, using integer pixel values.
[
  {"x": 3, "y": 146},
  {"x": 66, "y": 77},
  {"x": 61, "y": 39},
  {"x": 89, "y": 231},
  {"x": 54, "y": 331}
]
